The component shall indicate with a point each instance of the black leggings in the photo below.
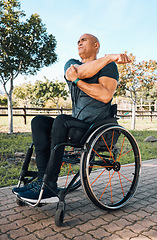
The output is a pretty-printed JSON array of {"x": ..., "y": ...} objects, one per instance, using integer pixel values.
[{"x": 46, "y": 133}]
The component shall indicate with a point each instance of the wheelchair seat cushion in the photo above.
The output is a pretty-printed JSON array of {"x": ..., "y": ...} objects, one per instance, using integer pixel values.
[
  {"x": 79, "y": 133},
  {"x": 76, "y": 131}
]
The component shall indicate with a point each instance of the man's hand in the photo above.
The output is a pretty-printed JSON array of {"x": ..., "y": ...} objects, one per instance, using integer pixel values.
[
  {"x": 119, "y": 58},
  {"x": 71, "y": 73}
]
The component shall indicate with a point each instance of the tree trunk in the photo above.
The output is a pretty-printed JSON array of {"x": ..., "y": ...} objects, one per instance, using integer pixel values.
[
  {"x": 10, "y": 110},
  {"x": 10, "y": 113},
  {"x": 133, "y": 115}
]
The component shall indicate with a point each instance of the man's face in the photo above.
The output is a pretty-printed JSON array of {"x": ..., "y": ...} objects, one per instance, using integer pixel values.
[{"x": 86, "y": 46}]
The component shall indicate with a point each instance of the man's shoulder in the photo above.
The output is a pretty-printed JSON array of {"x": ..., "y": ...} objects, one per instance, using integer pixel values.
[
  {"x": 110, "y": 70},
  {"x": 71, "y": 61},
  {"x": 112, "y": 65}
]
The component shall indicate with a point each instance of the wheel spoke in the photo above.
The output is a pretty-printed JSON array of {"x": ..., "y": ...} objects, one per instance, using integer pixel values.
[
  {"x": 121, "y": 149},
  {"x": 121, "y": 183},
  {"x": 111, "y": 189},
  {"x": 128, "y": 165},
  {"x": 124, "y": 155},
  {"x": 99, "y": 166},
  {"x": 67, "y": 175},
  {"x": 108, "y": 148},
  {"x": 99, "y": 155},
  {"x": 107, "y": 185},
  {"x": 125, "y": 177},
  {"x": 98, "y": 176},
  {"x": 69, "y": 168},
  {"x": 111, "y": 143}
]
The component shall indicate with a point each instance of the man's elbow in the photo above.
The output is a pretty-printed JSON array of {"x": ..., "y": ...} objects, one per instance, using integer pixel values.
[
  {"x": 106, "y": 99},
  {"x": 108, "y": 95}
]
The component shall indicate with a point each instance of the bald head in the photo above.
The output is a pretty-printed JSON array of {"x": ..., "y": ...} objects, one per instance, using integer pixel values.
[
  {"x": 94, "y": 38},
  {"x": 88, "y": 46},
  {"x": 90, "y": 36}
]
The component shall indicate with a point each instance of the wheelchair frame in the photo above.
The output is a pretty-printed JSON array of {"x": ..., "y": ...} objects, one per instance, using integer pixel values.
[{"x": 110, "y": 154}]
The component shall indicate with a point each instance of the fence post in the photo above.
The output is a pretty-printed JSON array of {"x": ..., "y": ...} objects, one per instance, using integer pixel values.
[
  {"x": 61, "y": 110},
  {"x": 24, "y": 110},
  {"x": 151, "y": 115}
]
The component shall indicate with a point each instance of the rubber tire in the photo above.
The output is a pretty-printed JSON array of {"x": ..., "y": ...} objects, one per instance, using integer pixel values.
[
  {"x": 19, "y": 202},
  {"x": 59, "y": 217}
]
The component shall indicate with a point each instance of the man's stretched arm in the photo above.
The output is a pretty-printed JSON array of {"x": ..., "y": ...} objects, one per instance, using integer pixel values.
[
  {"x": 89, "y": 69},
  {"x": 103, "y": 91}
]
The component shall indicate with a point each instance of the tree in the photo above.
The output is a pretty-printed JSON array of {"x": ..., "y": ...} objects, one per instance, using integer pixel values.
[
  {"x": 152, "y": 93},
  {"x": 25, "y": 47},
  {"x": 136, "y": 79},
  {"x": 48, "y": 90},
  {"x": 23, "y": 92},
  {"x": 3, "y": 101},
  {"x": 40, "y": 92}
]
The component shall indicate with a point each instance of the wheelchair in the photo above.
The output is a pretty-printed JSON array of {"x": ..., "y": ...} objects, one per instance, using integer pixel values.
[{"x": 106, "y": 161}]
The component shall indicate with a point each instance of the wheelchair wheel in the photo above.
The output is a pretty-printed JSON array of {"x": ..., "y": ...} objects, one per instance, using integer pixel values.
[
  {"x": 70, "y": 168},
  {"x": 19, "y": 202},
  {"x": 110, "y": 167},
  {"x": 59, "y": 217}
]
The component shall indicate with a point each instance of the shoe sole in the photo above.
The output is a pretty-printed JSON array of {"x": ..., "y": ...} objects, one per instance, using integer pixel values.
[
  {"x": 46, "y": 200},
  {"x": 15, "y": 192}
]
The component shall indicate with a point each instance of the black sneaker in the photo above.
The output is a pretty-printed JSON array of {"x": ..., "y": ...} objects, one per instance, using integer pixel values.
[
  {"x": 32, "y": 195},
  {"x": 26, "y": 187}
]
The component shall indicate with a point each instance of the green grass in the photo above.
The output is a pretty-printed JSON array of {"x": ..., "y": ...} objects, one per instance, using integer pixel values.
[
  {"x": 10, "y": 166},
  {"x": 11, "y": 143},
  {"x": 148, "y": 149}
]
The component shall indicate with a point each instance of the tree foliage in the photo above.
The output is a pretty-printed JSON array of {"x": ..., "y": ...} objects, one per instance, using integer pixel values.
[
  {"x": 40, "y": 92},
  {"x": 48, "y": 90},
  {"x": 23, "y": 92},
  {"x": 136, "y": 79},
  {"x": 25, "y": 46},
  {"x": 151, "y": 95},
  {"x": 3, "y": 101}
]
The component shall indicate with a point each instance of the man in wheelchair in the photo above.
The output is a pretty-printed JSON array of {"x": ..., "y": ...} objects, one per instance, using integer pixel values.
[{"x": 92, "y": 83}]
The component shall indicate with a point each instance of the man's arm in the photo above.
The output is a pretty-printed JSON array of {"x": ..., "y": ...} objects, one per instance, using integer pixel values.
[
  {"x": 89, "y": 69},
  {"x": 102, "y": 91}
]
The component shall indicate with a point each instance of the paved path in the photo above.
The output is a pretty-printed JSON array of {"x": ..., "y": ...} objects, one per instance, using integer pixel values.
[{"x": 138, "y": 220}]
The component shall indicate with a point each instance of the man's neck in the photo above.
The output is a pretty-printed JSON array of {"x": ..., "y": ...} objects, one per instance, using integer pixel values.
[{"x": 89, "y": 59}]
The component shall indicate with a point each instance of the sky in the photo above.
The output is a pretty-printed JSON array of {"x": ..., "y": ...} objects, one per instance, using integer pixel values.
[{"x": 120, "y": 25}]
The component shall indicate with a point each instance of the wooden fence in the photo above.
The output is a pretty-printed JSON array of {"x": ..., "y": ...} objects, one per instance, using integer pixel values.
[{"x": 24, "y": 112}]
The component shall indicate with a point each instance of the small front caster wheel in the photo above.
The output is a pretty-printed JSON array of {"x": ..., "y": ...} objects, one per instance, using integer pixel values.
[
  {"x": 20, "y": 202},
  {"x": 59, "y": 217}
]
